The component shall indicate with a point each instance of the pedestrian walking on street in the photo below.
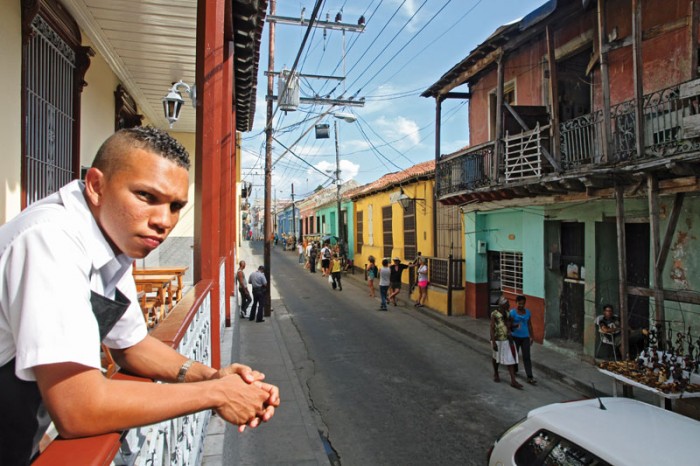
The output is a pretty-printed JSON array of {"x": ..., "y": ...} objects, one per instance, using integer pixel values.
[
  {"x": 384, "y": 281},
  {"x": 243, "y": 289},
  {"x": 522, "y": 334},
  {"x": 396, "y": 269},
  {"x": 504, "y": 351},
  {"x": 300, "y": 250},
  {"x": 335, "y": 272},
  {"x": 372, "y": 273},
  {"x": 326, "y": 255},
  {"x": 312, "y": 258},
  {"x": 422, "y": 282},
  {"x": 259, "y": 282}
]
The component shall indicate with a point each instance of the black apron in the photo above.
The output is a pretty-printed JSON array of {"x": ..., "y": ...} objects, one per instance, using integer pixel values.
[{"x": 23, "y": 418}]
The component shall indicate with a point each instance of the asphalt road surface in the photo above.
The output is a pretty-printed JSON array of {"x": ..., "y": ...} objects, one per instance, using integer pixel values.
[{"x": 394, "y": 388}]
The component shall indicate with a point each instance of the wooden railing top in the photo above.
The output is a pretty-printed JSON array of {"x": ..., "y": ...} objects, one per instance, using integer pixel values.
[{"x": 173, "y": 328}]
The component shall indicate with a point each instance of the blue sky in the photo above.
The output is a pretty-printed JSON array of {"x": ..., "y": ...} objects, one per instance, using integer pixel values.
[{"x": 407, "y": 46}]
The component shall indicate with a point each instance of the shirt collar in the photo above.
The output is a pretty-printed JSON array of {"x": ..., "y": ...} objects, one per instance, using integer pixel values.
[{"x": 103, "y": 257}]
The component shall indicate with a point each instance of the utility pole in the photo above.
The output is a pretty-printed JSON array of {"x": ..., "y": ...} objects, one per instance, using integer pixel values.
[
  {"x": 268, "y": 161},
  {"x": 272, "y": 19},
  {"x": 337, "y": 178},
  {"x": 294, "y": 220}
]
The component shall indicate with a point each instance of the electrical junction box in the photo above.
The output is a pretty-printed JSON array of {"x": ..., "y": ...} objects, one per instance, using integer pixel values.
[{"x": 481, "y": 247}]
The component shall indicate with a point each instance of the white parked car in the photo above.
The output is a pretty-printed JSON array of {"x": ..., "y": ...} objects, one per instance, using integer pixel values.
[{"x": 627, "y": 432}]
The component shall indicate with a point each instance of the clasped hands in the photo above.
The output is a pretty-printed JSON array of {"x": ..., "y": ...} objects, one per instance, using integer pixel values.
[{"x": 248, "y": 400}]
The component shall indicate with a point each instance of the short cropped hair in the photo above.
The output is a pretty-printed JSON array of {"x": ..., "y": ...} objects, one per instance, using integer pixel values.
[
  {"x": 520, "y": 297},
  {"x": 148, "y": 138}
]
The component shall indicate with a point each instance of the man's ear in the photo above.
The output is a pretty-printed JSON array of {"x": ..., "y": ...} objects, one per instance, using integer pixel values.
[{"x": 94, "y": 185}]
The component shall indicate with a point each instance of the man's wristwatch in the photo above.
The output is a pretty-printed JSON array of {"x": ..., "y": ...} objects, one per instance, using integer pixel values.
[{"x": 183, "y": 370}]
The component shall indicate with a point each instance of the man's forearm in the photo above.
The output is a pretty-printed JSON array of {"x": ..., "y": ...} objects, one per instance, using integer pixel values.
[
  {"x": 83, "y": 403},
  {"x": 153, "y": 359}
]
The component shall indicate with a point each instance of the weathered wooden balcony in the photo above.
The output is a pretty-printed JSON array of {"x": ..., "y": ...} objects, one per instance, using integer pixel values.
[
  {"x": 671, "y": 127},
  {"x": 526, "y": 167},
  {"x": 465, "y": 170},
  {"x": 178, "y": 441}
]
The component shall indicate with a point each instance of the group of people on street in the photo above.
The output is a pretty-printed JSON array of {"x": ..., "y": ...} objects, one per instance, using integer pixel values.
[
  {"x": 390, "y": 279},
  {"x": 511, "y": 333},
  {"x": 258, "y": 282}
]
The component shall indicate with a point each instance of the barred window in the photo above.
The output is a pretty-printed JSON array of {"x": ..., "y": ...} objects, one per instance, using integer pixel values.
[
  {"x": 387, "y": 234},
  {"x": 360, "y": 231},
  {"x": 512, "y": 272},
  {"x": 54, "y": 64},
  {"x": 449, "y": 231}
]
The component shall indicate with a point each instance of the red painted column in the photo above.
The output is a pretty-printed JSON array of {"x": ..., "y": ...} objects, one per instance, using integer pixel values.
[
  {"x": 209, "y": 80},
  {"x": 227, "y": 173}
]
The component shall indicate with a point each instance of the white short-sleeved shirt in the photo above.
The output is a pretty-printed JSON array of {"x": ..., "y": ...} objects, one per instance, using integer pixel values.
[
  {"x": 384, "y": 276},
  {"x": 52, "y": 255}
]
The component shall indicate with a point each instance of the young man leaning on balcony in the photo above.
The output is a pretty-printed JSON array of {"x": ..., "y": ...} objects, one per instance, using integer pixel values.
[{"x": 67, "y": 285}]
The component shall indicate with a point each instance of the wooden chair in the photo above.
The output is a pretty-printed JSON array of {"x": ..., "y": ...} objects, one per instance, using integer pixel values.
[{"x": 150, "y": 304}]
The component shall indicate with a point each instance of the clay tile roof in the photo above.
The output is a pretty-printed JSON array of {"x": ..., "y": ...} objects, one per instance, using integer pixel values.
[{"x": 388, "y": 181}]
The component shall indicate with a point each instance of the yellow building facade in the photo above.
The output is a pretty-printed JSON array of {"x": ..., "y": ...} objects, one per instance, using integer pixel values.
[{"x": 384, "y": 228}]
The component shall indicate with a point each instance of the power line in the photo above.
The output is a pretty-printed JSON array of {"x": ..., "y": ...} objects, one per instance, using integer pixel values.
[
  {"x": 392, "y": 40},
  {"x": 434, "y": 40},
  {"x": 383, "y": 67}
]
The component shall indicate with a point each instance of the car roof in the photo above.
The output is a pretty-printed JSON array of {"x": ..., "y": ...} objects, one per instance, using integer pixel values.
[{"x": 626, "y": 432}]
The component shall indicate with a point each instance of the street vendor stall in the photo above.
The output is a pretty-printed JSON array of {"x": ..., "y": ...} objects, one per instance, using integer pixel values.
[{"x": 691, "y": 390}]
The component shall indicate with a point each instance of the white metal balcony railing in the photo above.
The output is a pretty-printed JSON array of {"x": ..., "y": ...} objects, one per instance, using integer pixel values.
[{"x": 177, "y": 441}]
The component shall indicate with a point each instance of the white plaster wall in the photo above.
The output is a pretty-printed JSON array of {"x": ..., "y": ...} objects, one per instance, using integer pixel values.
[
  {"x": 97, "y": 106},
  {"x": 11, "y": 116}
]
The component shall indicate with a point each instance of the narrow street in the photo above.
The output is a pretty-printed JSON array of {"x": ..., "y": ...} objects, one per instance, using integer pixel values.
[{"x": 393, "y": 387}]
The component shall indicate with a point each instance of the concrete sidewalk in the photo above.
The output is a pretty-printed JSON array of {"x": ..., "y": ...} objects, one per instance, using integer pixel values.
[{"x": 292, "y": 436}]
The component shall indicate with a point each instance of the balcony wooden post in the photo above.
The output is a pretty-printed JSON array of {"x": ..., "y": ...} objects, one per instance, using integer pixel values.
[
  {"x": 497, "y": 149},
  {"x": 449, "y": 284},
  {"x": 553, "y": 95},
  {"x": 622, "y": 268},
  {"x": 693, "y": 20},
  {"x": 436, "y": 205},
  {"x": 637, "y": 69},
  {"x": 653, "y": 193},
  {"x": 602, "y": 42}
]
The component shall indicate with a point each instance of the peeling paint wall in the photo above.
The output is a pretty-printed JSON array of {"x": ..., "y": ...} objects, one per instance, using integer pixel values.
[{"x": 682, "y": 270}]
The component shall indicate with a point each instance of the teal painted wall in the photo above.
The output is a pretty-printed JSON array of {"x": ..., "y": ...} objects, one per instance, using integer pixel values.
[
  {"x": 349, "y": 207},
  {"x": 507, "y": 230},
  {"x": 524, "y": 230}
]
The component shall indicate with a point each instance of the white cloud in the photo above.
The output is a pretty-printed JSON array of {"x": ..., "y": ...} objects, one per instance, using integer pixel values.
[
  {"x": 397, "y": 128},
  {"x": 348, "y": 170}
]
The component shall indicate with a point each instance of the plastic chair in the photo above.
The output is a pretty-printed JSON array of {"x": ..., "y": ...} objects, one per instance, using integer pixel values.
[{"x": 605, "y": 338}]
